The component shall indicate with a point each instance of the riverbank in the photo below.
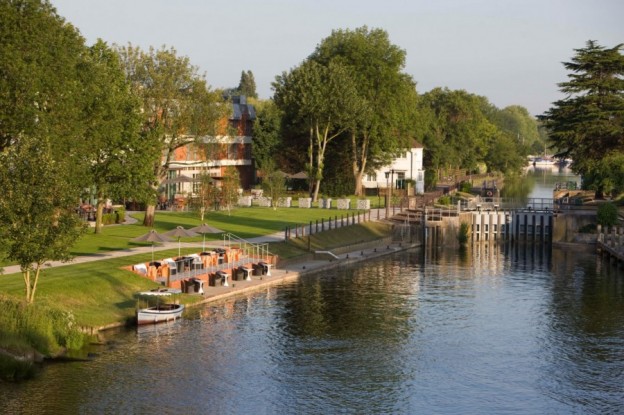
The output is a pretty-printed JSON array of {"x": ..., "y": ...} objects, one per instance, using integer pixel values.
[
  {"x": 289, "y": 271},
  {"x": 98, "y": 293}
]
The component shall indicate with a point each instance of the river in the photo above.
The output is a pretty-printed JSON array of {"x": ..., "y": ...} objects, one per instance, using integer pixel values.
[{"x": 495, "y": 329}]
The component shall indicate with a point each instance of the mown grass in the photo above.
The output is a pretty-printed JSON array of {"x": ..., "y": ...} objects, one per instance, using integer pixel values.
[
  {"x": 101, "y": 292},
  {"x": 243, "y": 222}
]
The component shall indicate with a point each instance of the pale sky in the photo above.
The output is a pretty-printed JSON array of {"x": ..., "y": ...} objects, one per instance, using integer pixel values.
[{"x": 509, "y": 51}]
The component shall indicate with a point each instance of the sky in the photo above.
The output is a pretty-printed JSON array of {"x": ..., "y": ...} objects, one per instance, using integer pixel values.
[{"x": 510, "y": 51}]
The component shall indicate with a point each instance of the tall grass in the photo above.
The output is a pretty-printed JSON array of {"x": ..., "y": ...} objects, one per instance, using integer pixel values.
[{"x": 37, "y": 327}]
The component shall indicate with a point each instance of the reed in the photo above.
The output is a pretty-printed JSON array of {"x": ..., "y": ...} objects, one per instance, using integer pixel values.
[{"x": 47, "y": 330}]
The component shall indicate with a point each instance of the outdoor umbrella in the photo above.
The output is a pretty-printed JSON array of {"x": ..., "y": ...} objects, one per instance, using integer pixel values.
[
  {"x": 204, "y": 229},
  {"x": 180, "y": 232},
  {"x": 152, "y": 236}
]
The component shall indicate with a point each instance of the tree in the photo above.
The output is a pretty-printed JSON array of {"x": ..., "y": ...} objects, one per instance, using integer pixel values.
[
  {"x": 39, "y": 58},
  {"x": 273, "y": 183},
  {"x": 118, "y": 156},
  {"x": 385, "y": 121},
  {"x": 588, "y": 124},
  {"x": 267, "y": 131},
  {"x": 247, "y": 85},
  {"x": 322, "y": 100},
  {"x": 38, "y": 221},
  {"x": 178, "y": 106},
  {"x": 207, "y": 195},
  {"x": 458, "y": 132},
  {"x": 229, "y": 188}
]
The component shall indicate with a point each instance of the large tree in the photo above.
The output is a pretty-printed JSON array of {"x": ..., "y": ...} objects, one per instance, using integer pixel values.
[
  {"x": 178, "y": 106},
  {"x": 386, "y": 121},
  {"x": 458, "y": 132},
  {"x": 39, "y": 58},
  {"x": 38, "y": 220},
  {"x": 267, "y": 133},
  {"x": 117, "y": 155},
  {"x": 247, "y": 85},
  {"x": 588, "y": 124},
  {"x": 41, "y": 101},
  {"x": 323, "y": 101}
]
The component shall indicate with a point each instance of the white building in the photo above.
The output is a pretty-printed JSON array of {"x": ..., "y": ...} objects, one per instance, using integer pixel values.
[{"x": 408, "y": 166}]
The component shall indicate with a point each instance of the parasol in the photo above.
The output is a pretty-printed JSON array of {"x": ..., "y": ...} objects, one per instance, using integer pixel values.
[
  {"x": 204, "y": 229},
  {"x": 153, "y": 237},
  {"x": 180, "y": 232}
]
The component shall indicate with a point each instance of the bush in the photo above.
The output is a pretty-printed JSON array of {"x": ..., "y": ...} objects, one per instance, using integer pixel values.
[
  {"x": 444, "y": 200},
  {"x": 37, "y": 326},
  {"x": 465, "y": 187},
  {"x": 607, "y": 214},
  {"x": 12, "y": 370},
  {"x": 462, "y": 236},
  {"x": 117, "y": 216}
]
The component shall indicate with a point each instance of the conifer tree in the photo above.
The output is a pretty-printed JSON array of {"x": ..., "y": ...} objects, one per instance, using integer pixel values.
[{"x": 588, "y": 124}]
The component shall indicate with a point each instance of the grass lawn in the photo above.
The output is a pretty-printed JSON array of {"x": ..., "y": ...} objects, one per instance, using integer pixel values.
[
  {"x": 101, "y": 293},
  {"x": 243, "y": 222}
]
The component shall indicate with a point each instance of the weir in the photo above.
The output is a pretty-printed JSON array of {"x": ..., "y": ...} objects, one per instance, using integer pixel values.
[{"x": 488, "y": 219}]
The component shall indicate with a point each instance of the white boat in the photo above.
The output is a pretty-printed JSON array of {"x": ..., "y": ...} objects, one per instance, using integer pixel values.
[{"x": 162, "y": 311}]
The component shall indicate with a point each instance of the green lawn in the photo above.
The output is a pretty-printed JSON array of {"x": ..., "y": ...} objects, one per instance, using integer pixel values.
[
  {"x": 100, "y": 292},
  {"x": 243, "y": 222}
]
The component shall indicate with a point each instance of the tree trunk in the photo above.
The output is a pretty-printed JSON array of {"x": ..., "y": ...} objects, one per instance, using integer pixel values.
[
  {"x": 98, "y": 214},
  {"x": 150, "y": 214},
  {"x": 359, "y": 161},
  {"x": 34, "y": 285},
  {"x": 26, "y": 275}
]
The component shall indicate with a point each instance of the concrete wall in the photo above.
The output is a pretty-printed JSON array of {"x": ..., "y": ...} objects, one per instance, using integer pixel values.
[{"x": 567, "y": 224}]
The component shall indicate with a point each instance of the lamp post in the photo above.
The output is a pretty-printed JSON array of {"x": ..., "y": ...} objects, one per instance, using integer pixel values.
[
  {"x": 387, "y": 194},
  {"x": 392, "y": 188}
]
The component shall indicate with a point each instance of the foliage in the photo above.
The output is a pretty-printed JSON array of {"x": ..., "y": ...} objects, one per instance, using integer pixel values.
[
  {"x": 207, "y": 196},
  {"x": 462, "y": 236},
  {"x": 465, "y": 187},
  {"x": 587, "y": 125},
  {"x": 40, "y": 327},
  {"x": 38, "y": 221},
  {"x": 458, "y": 132},
  {"x": 444, "y": 200},
  {"x": 267, "y": 134},
  {"x": 607, "y": 214},
  {"x": 273, "y": 183},
  {"x": 229, "y": 188},
  {"x": 323, "y": 101},
  {"x": 39, "y": 58},
  {"x": 247, "y": 85},
  {"x": 118, "y": 156},
  {"x": 178, "y": 106},
  {"x": 607, "y": 176},
  {"x": 115, "y": 217},
  {"x": 386, "y": 120}
]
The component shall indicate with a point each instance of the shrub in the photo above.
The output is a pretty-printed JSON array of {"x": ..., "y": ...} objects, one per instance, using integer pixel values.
[
  {"x": 462, "y": 236},
  {"x": 607, "y": 214},
  {"x": 37, "y": 326},
  {"x": 465, "y": 187},
  {"x": 444, "y": 200}
]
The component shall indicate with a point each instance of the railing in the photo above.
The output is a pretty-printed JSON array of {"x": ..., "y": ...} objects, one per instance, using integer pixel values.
[{"x": 254, "y": 252}]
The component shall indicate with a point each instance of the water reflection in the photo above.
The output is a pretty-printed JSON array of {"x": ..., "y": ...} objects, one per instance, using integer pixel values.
[{"x": 497, "y": 328}]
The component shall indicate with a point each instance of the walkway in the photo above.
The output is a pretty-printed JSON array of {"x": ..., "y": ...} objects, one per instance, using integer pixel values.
[{"x": 275, "y": 237}]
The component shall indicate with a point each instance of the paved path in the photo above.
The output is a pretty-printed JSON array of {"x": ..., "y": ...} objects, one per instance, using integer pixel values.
[{"x": 275, "y": 237}]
